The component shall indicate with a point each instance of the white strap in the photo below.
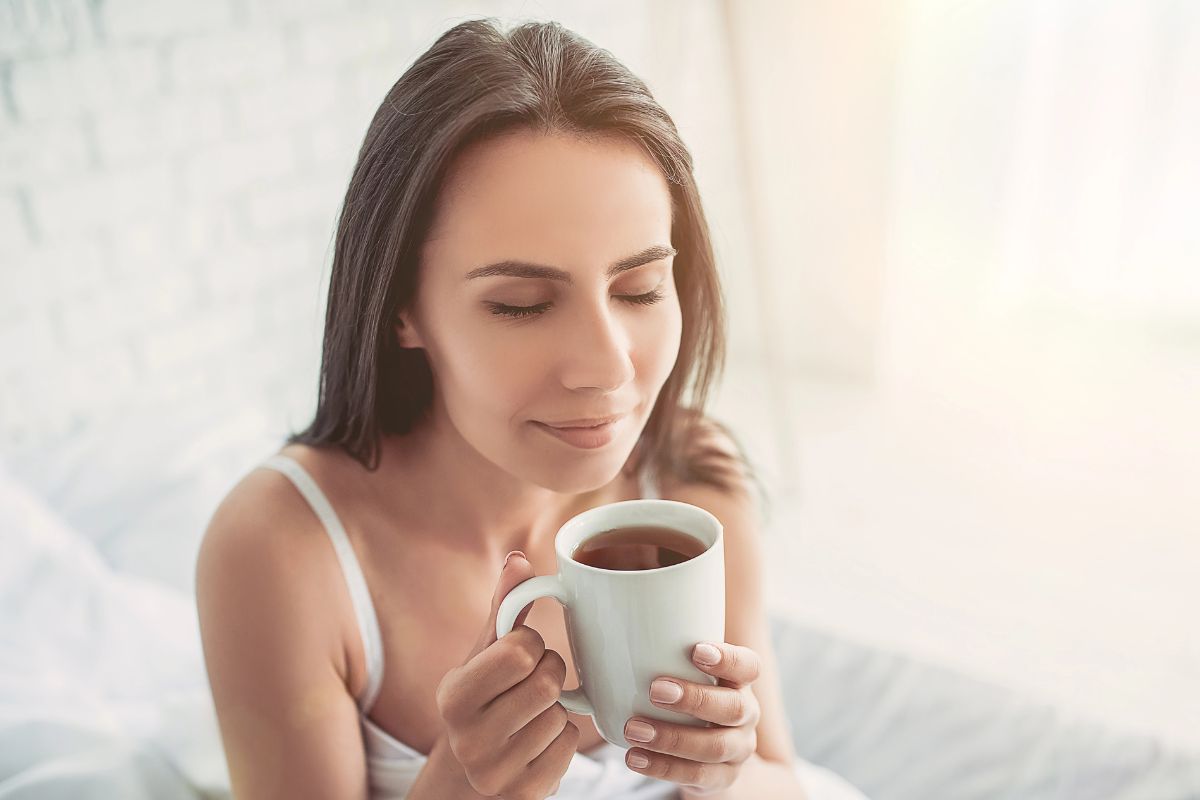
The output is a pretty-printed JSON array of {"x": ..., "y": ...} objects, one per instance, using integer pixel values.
[{"x": 360, "y": 597}]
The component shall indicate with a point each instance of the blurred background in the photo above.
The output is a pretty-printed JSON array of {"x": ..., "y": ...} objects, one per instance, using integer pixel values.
[{"x": 959, "y": 243}]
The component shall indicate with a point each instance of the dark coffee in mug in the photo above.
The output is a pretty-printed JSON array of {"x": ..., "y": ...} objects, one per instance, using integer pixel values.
[{"x": 638, "y": 547}]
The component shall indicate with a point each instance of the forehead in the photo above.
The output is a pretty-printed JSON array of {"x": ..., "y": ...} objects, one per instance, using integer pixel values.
[{"x": 550, "y": 197}]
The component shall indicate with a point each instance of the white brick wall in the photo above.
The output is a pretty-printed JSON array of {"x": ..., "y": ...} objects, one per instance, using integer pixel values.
[
  {"x": 170, "y": 175},
  {"x": 169, "y": 178},
  {"x": 136, "y": 20},
  {"x": 226, "y": 59},
  {"x": 91, "y": 80}
]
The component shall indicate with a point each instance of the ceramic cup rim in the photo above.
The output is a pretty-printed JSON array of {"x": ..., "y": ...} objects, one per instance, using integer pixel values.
[{"x": 567, "y": 539}]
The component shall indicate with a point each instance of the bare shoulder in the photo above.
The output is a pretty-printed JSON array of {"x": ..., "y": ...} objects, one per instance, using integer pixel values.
[
  {"x": 262, "y": 517},
  {"x": 266, "y": 501},
  {"x": 263, "y": 545},
  {"x": 273, "y": 641},
  {"x": 712, "y": 447},
  {"x": 731, "y": 498},
  {"x": 259, "y": 495}
]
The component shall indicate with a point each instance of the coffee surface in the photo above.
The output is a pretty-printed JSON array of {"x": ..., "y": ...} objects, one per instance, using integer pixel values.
[{"x": 638, "y": 547}]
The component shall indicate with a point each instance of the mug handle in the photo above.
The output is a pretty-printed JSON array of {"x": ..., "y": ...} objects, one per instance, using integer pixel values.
[{"x": 522, "y": 595}]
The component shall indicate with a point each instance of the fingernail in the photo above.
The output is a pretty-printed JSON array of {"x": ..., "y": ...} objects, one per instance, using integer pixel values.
[
  {"x": 638, "y": 731},
  {"x": 513, "y": 553},
  {"x": 664, "y": 691},
  {"x": 637, "y": 761},
  {"x": 706, "y": 654}
]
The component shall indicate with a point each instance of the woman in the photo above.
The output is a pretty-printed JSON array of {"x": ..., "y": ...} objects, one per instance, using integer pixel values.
[{"x": 522, "y": 290}]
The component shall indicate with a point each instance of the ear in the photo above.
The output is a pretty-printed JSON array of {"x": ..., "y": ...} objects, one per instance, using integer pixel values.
[{"x": 406, "y": 333}]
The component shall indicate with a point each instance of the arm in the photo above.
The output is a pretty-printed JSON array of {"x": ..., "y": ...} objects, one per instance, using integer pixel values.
[
  {"x": 265, "y": 576},
  {"x": 769, "y": 772},
  {"x": 442, "y": 777},
  {"x": 273, "y": 650},
  {"x": 759, "y": 778}
]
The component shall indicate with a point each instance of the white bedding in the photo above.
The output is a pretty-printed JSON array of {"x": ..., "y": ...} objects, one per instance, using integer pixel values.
[
  {"x": 102, "y": 687},
  {"x": 903, "y": 730},
  {"x": 103, "y": 695}
]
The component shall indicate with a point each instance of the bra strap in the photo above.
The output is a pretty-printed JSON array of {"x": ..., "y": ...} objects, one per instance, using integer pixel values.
[{"x": 360, "y": 597}]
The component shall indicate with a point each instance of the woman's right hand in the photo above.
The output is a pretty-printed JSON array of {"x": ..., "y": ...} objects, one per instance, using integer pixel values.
[{"x": 500, "y": 709}]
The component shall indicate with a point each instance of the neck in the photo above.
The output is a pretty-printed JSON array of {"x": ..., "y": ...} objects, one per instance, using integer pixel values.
[{"x": 469, "y": 501}]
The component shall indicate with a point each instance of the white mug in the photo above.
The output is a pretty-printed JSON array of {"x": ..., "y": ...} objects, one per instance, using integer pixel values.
[{"x": 628, "y": 627}]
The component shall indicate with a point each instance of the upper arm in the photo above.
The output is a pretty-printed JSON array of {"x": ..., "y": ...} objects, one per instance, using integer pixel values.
[
  {"x": 745, "y": 615},
  {"x": 271, "y": 647}
]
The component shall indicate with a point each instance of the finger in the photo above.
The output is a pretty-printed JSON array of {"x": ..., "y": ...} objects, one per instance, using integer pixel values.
[
  {"x": 494, "y": 671},
  {"x": 720, "y": 704},
  {"x": 680, "y": 770},
  {"x": 529, "y": 768},
  {"x": 738, "y": 666},
  {"x": 515, "y": 570},
  {"x": 545, "y": 771},
  {"x": 530, "y": 741},
  {"x": 516, "y": 707},
  {"x": 710, "y": 745}
]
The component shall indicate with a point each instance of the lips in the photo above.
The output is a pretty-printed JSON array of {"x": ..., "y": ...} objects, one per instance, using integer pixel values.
[
  {"x": 583, "y": 437},
  {"x": 590, "y": 422}
]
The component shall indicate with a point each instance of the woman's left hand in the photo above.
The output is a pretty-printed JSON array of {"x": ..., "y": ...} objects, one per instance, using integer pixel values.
[{"x": 701, "y": 758}]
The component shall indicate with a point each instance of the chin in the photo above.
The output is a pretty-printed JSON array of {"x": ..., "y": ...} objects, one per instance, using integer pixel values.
[
  {"x": 567, "y": 484},
  {"x": 587, "y": 473}
]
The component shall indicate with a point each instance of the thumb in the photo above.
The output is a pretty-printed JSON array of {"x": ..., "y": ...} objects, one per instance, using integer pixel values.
[{"x": 516, "y": 570}]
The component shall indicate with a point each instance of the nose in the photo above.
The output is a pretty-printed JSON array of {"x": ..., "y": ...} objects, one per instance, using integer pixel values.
[{"x": 597, "y": 352}]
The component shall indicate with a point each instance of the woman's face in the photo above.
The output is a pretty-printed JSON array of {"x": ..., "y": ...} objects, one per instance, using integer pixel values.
[{"x": 594, "y": 332}]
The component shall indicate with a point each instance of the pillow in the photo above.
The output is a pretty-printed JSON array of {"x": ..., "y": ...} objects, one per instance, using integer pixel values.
[
  {"x": 142, "y": 487},
  {"x": 94, "y": 662},
  {"x": 900, "y": 729}
]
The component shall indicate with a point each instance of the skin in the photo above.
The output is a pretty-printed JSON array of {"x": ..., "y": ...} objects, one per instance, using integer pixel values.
[
  {"x": 577, "y": 207},
  {"x": 475, "y": 480}
]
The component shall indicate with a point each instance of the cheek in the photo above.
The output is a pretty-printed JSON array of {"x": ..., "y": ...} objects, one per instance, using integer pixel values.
[
  {"x": 491, "y": 368},
  {"x": 488, "y": 367},
  {"x": 661, "y": 342}
]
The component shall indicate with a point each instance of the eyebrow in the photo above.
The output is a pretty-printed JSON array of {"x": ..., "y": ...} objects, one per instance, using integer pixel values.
[{"x": 524, "y": 269}]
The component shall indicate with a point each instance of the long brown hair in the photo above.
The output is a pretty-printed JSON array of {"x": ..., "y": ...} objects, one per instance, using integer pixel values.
[{"x": 477, "y": 82}]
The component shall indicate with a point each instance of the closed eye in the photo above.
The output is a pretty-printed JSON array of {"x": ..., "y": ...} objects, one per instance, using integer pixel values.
[{"x": 500, "y": 309}]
